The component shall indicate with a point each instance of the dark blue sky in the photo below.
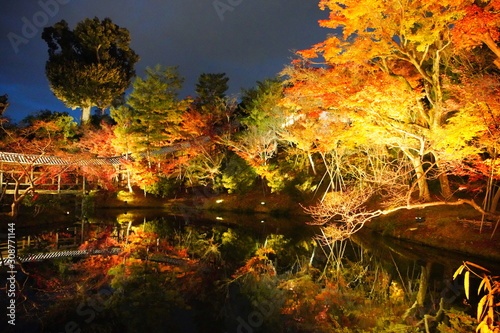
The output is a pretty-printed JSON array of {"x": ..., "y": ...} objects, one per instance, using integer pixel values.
[{"x": 250, "y": 40}]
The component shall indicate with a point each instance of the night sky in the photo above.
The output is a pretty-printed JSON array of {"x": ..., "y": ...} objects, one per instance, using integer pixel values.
[{"x": 249, "y": 40}]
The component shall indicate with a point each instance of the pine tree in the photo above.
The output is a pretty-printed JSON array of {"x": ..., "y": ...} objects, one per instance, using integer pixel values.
[{"x": 89, "y": 66}]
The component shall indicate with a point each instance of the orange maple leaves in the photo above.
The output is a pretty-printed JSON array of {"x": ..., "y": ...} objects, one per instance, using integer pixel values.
[{"x": 477, "y": 26}]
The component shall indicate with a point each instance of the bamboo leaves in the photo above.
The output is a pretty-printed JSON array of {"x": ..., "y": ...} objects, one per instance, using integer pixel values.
[{"x": 487, "y": 308}]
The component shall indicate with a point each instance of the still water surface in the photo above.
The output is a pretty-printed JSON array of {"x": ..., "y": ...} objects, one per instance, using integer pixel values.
[{"x": 404, "y": 261}]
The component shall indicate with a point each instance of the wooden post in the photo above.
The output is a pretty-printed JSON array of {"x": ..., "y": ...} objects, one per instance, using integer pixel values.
[
  {"x": 83, "y": 224},
  {"x": 59, "y": 183}
]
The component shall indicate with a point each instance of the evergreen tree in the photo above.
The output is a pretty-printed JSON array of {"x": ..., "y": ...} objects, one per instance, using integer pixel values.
[
  {"x": 263, "y": 120},
  {"x": 153, "y": 114},
  {"x": 4, "y": 104},
  {"x": 211, "y": 90},
  {"x": 89, "y": 66}
]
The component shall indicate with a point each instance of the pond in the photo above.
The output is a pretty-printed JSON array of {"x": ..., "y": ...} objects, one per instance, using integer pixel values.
[{"x": 238, "y": 273}]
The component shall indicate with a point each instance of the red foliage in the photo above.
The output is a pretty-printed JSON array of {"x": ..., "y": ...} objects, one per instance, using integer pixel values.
[
  {"x": 478, "y": 25},
  {"x": 258, "y": 265},
  {"x": 101, "y": 241},
  {"x": 99, "y": 142}
]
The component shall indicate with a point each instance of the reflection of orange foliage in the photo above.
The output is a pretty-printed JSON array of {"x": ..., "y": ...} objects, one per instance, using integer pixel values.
[
  {"x": 258, "y": 265},
  {"x": 101, "y": 241},
  {"x": 166, "y": 248},
  {"x": 97, "y": 265},
  {"x": 310, "y": 303},
  {"x": 140, "y": 241},
  {"x": 94, "y": 269},
  {"x": 52, "y": 284}
]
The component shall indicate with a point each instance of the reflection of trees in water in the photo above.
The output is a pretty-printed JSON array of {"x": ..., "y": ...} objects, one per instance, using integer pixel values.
[{"x": 249, "y": 282}]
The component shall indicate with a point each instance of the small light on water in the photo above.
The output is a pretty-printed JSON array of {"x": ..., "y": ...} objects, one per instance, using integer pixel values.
[
  {"x": 219, "y": 218},
  {"x": 262, "y": 221},
  {"x": 262, "y": 203},
  {"x": 219, "y": 201}
]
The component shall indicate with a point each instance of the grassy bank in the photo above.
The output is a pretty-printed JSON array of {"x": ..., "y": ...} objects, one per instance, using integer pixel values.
[
  {"x": 454, "y": 228},
  {"x": 251, "y": 202}
]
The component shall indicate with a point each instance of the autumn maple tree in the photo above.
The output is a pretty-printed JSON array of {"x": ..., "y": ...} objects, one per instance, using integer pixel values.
[
  {"x": 42, "y": 137},
  {"x": 206, "y": 121},
  {"x": 385, "y": 82},
  {"x": 478, "y": 94}
]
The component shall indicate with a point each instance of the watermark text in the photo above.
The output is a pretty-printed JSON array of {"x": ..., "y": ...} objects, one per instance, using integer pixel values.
[
  {"x": 11, "y": 274},
  {"x": 223, "y": 6},
  {"x": 31, "y": 25}
]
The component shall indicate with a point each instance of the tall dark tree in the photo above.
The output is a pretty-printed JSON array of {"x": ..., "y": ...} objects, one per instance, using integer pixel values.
[
  {"x": 153, "y": 114},
  {"x": 264, "y": 119},
  {"x": 90, "y": 66},
  {"x": 211, "y": 92},
  {"x": 4, "y": 104}
]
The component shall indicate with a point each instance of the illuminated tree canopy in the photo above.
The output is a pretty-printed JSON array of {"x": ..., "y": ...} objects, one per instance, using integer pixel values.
[
  {"x": 399, "y": 101},
  {"x": 400, "y": 95}
]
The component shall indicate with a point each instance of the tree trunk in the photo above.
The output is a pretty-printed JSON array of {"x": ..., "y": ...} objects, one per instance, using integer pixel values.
[
  {"x": 423, "y": 284},
  {"x": 85, "y": 114},
  {"x": 312, "y": 162},
  {"x": 18, "y": 198},
  {"x": 422, "y": 291},
  {"x": 421, "y": 179},
  {"x": 445, "y": 186},
  {"x": 14, "y": 209},
  {"x": 494, "y": 201},
  {"x": 492, "y": 45}
]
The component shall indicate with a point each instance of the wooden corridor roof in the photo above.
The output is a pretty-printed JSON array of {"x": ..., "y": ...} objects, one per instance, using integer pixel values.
[
  {"x": 41, "y": 159},
  {"x": 33, "y": 159}
]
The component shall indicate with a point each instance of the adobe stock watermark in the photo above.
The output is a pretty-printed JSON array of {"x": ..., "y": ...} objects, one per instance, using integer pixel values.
[
  {"x": 31, "y": 26},
  {"x": 255, "y": 319},
  {"x": 223, "y": 6},
  {"x": 452, "y": 292},
  {"x": 11, "y": 274},
  {"x": 87, "y": 311}
]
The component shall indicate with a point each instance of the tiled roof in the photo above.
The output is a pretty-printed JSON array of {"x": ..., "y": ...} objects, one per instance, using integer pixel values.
[
  {"x": 41, "y": 159},
  {"x": 56, "y": 160}
]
